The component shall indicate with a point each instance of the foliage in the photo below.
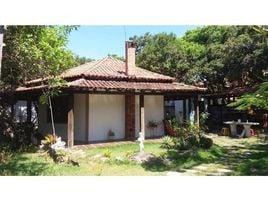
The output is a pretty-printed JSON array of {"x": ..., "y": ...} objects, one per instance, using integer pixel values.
[
  {"x": 217, "y": 56},
  {"x": 189, "y": 137},
  {"x": 117, "y": 57},
  {"x": 82, "y": 60},
  {"x": 16, "y": 136},
  {"x": 253, "y": 101},
  {"x": 205, "y": 143},
  {"x": 107, "y": 153},
  {"x": 5, "y": 156},
  {"x": 203, "y": 121},
  {"x": 35, "y": 52},
  {"x": 167, "y": 142},
  {"x": 128, "y": 154},
  {"x": 58, "y": 155},
  {"x": 49, "y": 140}
]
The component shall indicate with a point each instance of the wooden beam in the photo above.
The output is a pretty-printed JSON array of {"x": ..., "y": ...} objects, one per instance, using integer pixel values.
[
  {"x": 87, "y": 118},
  {"x": 142, "y": 115},
  {"x": 70, "y": 124}
]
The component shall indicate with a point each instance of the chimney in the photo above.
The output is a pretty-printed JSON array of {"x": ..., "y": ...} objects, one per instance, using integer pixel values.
[{"x": 130, "y": 58}]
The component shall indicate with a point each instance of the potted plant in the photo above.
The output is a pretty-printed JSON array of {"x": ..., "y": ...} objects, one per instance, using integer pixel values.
[{"x": 110, "y": 135}]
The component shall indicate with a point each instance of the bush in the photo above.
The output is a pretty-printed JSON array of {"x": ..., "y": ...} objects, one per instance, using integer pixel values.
[
  {"x": 49, "y": 140},
  {"x": 107, "y": 153},
  {"x": 5, "y": 156},
  {"x": 189, "y": 137},
  {"x": 205, "y": 142},
  {"x": 167, "y": 142},
  {"x": 128, "y": 154}
]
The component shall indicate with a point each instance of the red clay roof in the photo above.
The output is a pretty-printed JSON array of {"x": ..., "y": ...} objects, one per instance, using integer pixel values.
[
  {"x": 109, "y": 74},
  {"x": 109, "y": 68},
  {"x": 91, "y": 85}
]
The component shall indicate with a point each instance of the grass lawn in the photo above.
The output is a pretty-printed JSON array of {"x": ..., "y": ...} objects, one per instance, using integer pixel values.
[{"x": 228, "y": 156}]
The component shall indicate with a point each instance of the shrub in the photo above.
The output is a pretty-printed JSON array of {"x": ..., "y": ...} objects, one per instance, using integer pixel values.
[
  {"x": 205, "y": 142},
  {"x": 128, "y": 154},
  {"x": 4, "y": 156},
  {"x": 107, "y": 153},
  {"x": 57, "y": 154},
  {"x": 167, "y": 142},
  {"x": 203, "y": 121},
  {"x": 189, "y": 136}
]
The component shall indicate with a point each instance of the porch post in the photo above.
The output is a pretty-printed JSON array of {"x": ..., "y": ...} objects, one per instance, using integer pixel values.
[
  {"x": 196, "y": 103},
  {"x": 29, "y": 111},
  {"x": 129, "y": 116},
  {"x": 70, "y": 125},
  {"x": 184, "y": 110},
  {"x": 142, "y": 115},
  {"x": 189, "y": 107},
  {"x": 87, "y": 118}
]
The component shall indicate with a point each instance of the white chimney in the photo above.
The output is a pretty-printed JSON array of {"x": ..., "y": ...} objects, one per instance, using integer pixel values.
[{"x": 130, "y": 58}]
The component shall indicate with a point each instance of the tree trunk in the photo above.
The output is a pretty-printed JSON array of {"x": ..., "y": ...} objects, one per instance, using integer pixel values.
[{"x": 51, "y": 115}]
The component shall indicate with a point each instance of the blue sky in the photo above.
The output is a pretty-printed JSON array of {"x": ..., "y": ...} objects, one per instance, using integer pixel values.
[{"x": 98, "y": 41}]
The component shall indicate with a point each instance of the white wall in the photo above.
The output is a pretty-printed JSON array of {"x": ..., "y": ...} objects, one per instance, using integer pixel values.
[
  {"x": 79, "y": 117},
  {"x": 46, "y": 128},
  {"x": 154, "y": 110},
  {"x": 106, "y": 112}
]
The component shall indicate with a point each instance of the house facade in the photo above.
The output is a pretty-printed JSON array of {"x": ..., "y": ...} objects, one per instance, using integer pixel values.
[{"x": 109, "y": 99}]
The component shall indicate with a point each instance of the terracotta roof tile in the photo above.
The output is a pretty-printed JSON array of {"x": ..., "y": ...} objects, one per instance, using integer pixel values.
[
  {"x": 108, "y": 68},
  {"x": 88, "y": 85},
  {"x": 109, "y": 74}
]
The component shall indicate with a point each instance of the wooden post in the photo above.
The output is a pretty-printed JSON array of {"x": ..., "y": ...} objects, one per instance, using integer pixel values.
[
  {"x": 184, "y": 110},
  {"x": 129, "y": 116},
  {"x": 142, "y": 115},
  {"x": 189, "y": 107},
  {"x": 196, "y": 103},
  {"x": 87, "y": 118},
  {"x": 29, "y": 119},
  {"x": 29, "y": 111},
  {"x": 1, "y": 47},
  {"x": 70, "y": 125}
]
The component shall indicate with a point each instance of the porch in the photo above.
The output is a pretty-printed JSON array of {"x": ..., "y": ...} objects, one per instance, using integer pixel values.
[{"x": 86, "y": 118}]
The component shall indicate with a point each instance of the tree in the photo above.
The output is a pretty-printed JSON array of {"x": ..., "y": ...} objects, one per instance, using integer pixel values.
[
  {"x": 258, "y": 99},
  {"x": 37, "y": 52},
  {"x": 158, "y": 53},
  {"x": 117, "y": 57},
  {"x": 82, "y": 60},
  {"x": 253, "y": 101}
]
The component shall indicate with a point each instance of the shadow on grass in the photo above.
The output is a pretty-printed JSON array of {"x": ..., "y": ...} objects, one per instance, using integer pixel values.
[
  {"x": 185, "y": 160},
  {"x": 250, "y": 159},
  {"x": 252, "y": 162},
  {"x": 22, "y": 166}
]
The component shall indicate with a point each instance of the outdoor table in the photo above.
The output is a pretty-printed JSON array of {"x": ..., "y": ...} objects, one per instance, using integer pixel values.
[
  {"x": 247, "y": 126},
  {"x": 245, "y": 132}
]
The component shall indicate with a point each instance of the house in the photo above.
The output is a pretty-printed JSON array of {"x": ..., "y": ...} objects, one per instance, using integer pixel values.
[{"x": 110, "y": 99}]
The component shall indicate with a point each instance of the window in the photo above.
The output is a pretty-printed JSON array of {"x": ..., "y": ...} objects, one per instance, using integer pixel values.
[{"x": 60, "y": 110}]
